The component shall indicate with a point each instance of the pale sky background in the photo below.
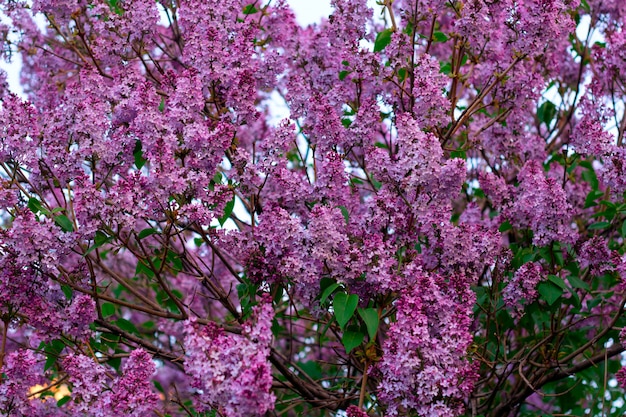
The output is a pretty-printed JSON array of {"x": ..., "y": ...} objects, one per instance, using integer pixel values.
[{"x": 310, "y": 11}]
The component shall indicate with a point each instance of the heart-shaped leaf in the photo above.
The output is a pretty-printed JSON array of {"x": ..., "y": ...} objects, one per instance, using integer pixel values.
[
  {"x": 344, "y": 306},
  {"x": 352, "y": 338},
  {"x": 370, "y": 317}
]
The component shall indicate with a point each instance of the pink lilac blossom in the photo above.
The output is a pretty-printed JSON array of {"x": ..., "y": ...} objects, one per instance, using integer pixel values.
[
  {"x": 521, "y": 289},
  {"x": 22, "y": 370},
  {"x": 595, "y": 255},
  {"x": 541, "y": 206},
  {"x": 589, "y": 136},
  {"x": 620, "y": 376},
  {"x": 231, "y": 372},
  {"x": 87, "y": 378},
  {"x": 144, "y": 122},
  {"x": 418, "y": 161},
  {"x": 428, "y": 89},
  {"x": 133, "y": 393},
  {"x": 80, "y": 314},
  {"x": 419, "y": 369},
  {"x": 354, "y": 411}
]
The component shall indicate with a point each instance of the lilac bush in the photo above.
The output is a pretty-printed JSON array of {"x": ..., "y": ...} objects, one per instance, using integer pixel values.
[{"x": 435, "y": 229}]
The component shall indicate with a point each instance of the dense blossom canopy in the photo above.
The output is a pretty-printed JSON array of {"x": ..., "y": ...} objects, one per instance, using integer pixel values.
[{"x": 434, "y": 229}]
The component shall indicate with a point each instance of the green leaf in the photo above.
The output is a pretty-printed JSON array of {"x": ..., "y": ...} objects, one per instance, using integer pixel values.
[
  {"x": 34, "y": 205},
  {"x": 592, "y": 197},
  {"x": 108, "y": 309},
  {"x": 370, "y": 317},
  {"x": 574, "y": 299},
  {"x": 458, "y": 153},
  {"x": 126, "y": 326},
  {"x": 505, "y": 226},
  {"x": 46, "y": 394},
  {"x": 356, "y": 181},
  {"x": 147, "y": 232},
  {"x": 344, "y": 306},
  {"x": 242, "y": 290},
  {"x": 52, "y": 350},
  {"x": 144, "y": 268},
  {"x": 217, "y": 179},
  {"x": 158, "y": 386},
  {"x": 250, "y": 9},
  {"x": 115, "y": 7},
  {"x": 593, "y": 302},
  {"x": 550, "y": 292},
  {"x": 138, "y": 154},
  {"x": 278, "y": 291},
  {"x": 169, "y": 302},
  {"x": 558, "y": 281},
  {"x": 346, "y": 214},
  {"x": 64, "y": 223},
  {"x": 352, "y": 338},
  {"x": 381, "y": 145},
  {"x": 227, "y": 212},
  {"x": 115, "y": 363},
  {"x": 585, "y": 5},
  {"x": 99, "y": 239},
  {"x": 445, "y": 68},
  {"x": 343, "y": 75},
  {"x": 402, "y": 73},
  {"x": 174, "y": 261},
  {"x": 439, "y": 37},
  {"x": 576, "y": 282},
  {"x": 109, "y": 339},
  {"x": 67, "y": 291},
  {"x": 63, "y": 401},
  {"x": 623, "y": 231},
  {"x": 382, "y": 40},
  {"x": 558, "y": 257},
  {"x": 598, "y": 226},
  {"x": 590, "y": 176},
  {"x": 312, "y": 369},
  {"x": 546, "y": 112},
  {"x": 609, "y": 204},
  {"x": 328, "y": 291},
  {"x": 408, "y": 28}
]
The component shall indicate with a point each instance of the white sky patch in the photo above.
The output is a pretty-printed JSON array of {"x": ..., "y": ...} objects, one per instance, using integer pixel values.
[
  {"x": 309, "y": 12},
  {"x": 278, "y": 109},
  {"x": 12, "y": 70}
]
